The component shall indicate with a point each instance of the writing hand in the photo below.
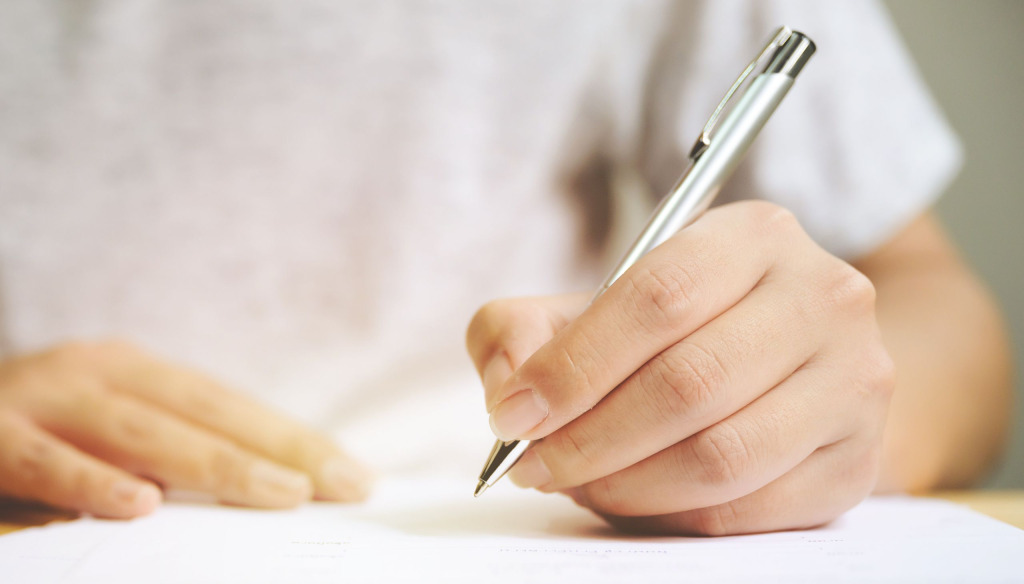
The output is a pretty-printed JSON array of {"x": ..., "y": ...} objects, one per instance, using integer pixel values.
[
  {"x": 92, "y": 426},
  {"x": 732, "y": 381}
]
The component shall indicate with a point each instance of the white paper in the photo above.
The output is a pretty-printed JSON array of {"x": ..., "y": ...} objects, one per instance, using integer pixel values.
[{"x": 434, "y": 531}]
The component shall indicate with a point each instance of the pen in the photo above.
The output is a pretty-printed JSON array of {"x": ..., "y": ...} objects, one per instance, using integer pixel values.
[{"x": 712, "y": 160}]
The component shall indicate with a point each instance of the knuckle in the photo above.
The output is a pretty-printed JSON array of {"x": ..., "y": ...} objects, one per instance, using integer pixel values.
[
  {"x": 581, "y": 371},
  {"x": 602, "y": 497},
  {"x": 33, "y": 457},
  {"x": 31, "y": 471},
  {"x": 33, "y": 467},
  {"x": 721, "y": 454},
  {"x": 848, "y": 290},
  {"x": 574, "y": 452},
  {"x": 209, "y": 404},
  {"x": 83, "y": 488},
  {"x": 687, "y": 379},
  {"x": 226, "y": 472},
  {"x": 773, "y": 220},
  {"x": 135, "y": 426},
  {"x": 663, "y": 294},
  {"x": 714, "y": 521},
  {"x": 89, "y": 401},
  {"x": 304, "y": 449}
]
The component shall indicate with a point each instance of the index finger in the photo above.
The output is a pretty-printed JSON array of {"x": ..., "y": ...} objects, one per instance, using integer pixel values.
[
  {"x": 671, "y": 292},
  {"x": 198, "y": 399}
]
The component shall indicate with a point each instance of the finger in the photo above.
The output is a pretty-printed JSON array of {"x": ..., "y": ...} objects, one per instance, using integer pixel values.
[
  {"x": 149, "y": 442},
  {"x": 504, "y": 333},
  {"x": 679, "y": 286},
  {"x": 200, "y": 400},
  {"x": 692, "y": 385},
  {"x": 820, "y": 489},
  {"x": 747, "y": 450},
  {"x": 35, "y": 465}
]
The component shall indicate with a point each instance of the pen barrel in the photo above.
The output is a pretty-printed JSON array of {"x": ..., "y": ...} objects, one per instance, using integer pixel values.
[
  {"x": 696, "y": 188},
  {"x": 700, "y": 183}
]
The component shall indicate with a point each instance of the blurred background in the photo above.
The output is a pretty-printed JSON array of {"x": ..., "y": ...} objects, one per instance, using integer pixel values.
[{"x": 970, "y": 55}]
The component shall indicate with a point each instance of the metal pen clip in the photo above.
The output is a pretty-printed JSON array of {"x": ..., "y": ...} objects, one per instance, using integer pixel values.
[{"x": 704, "y": 140}]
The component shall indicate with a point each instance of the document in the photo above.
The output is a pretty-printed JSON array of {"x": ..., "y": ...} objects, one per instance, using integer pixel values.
[{"x": 432, "y": 530}]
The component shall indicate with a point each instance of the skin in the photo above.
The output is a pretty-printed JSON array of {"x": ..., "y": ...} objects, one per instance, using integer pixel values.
[
  {"x": 741, "y": 379},
  {"x": 687, "y": 399},
  {"x": 101, "y": 427}
]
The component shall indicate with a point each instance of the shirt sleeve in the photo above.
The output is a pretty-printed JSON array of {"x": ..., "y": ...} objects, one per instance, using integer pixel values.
[{"x": 857, "y": 149}]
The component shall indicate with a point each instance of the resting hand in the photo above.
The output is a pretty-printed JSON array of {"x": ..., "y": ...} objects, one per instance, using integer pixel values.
[
  {"x": 732, "y": 381},
  {"x": 87, "y": 427}
]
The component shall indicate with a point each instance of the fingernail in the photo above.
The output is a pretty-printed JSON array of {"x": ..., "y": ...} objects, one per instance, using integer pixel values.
[
  {"x": 139, "y": 498},
  {"x": 343, "y": 479},
  {"x": 530, "y": 472},
  {"x": 280, "y": 483},
  {"x": 518, "y": 414}
]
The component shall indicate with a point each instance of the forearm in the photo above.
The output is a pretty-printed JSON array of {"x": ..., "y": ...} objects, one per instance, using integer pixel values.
[{"x": 950, "y": 411}]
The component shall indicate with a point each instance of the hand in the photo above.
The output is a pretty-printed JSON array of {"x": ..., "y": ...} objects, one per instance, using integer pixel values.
[
  {"x": 88, "y": 426},
  {"x": 732, "y": 381}
]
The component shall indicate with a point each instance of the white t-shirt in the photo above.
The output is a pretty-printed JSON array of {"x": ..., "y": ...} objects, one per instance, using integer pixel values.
[{"x": 309, "y": 199}]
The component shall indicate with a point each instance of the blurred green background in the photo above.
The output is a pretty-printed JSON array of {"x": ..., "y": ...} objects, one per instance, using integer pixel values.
[{"x": 970, "y": 54}]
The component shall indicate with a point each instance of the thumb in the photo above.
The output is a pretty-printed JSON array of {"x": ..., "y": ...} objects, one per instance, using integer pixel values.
[{"x": 504, "y": 333}]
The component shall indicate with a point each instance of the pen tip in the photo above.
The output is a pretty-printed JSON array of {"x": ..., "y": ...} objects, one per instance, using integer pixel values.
[{"x": 480, "y": 488}]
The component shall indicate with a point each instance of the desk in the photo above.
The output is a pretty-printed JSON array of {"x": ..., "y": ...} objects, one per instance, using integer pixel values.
[{"x": 1006, "y": 506}]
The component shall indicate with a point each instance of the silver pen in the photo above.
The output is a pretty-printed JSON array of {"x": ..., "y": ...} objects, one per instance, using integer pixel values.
[{"x": 712, "y": 161}]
